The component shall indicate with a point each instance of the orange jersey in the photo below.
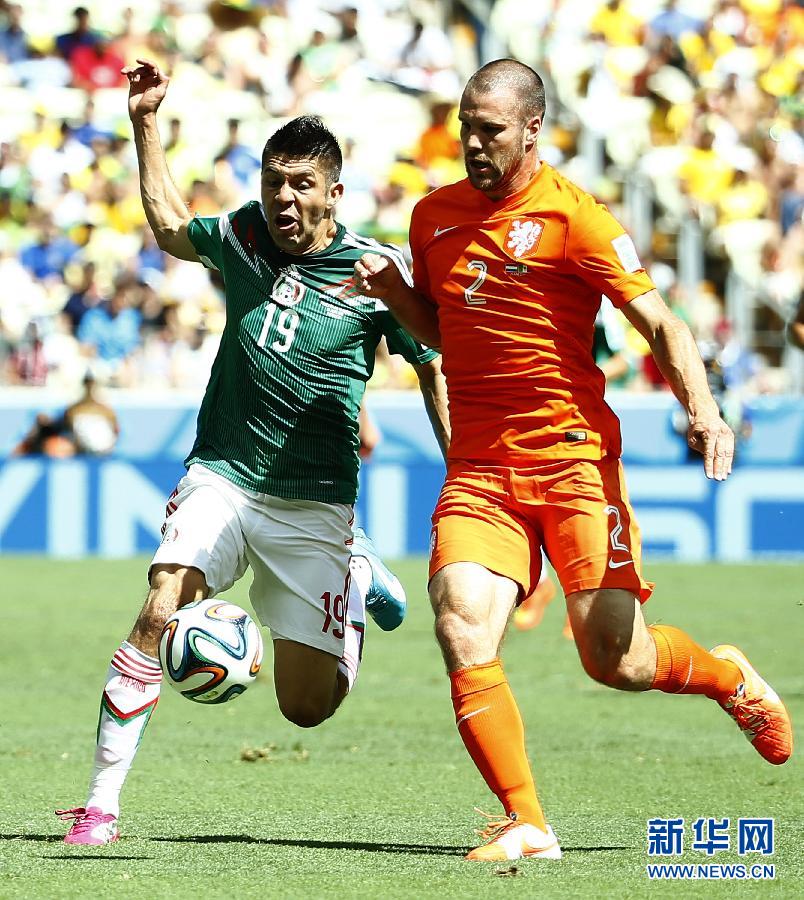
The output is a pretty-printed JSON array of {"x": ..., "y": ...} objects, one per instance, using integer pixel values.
[{"x": 518, "y": 283}]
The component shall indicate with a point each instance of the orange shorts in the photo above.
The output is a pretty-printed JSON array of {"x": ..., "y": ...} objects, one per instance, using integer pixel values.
[{"x": 578, "y": 511}]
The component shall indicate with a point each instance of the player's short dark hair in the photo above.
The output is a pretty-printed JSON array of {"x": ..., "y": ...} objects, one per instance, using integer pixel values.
[
  {"x": 523, "y": 83},
  {"x": 307, "y": 137}
]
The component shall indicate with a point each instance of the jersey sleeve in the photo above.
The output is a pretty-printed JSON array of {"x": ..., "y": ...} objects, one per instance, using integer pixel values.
[
  {"x": 601, "y": 253},
  {"x": 399, "y": 341},
  {"x": 206, "y": 234}
]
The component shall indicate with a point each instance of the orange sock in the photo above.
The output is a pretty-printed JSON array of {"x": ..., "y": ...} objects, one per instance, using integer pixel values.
[
  {"x": 490, "y": 726},
  {"x": 684, "y": 667}
]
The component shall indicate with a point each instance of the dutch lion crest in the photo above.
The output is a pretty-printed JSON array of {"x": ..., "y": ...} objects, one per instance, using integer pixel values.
[{"x": 523, "y": 236}]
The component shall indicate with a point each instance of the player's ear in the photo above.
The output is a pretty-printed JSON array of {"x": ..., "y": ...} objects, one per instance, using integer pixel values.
[
  {"x": 532, "y": 130},
  {"x": 334, "y": 194}
]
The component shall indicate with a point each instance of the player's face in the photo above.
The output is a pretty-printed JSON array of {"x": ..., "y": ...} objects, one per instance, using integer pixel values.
[
  {"x": 498, "y": 147},
  {"x": 299, "y": 204}
]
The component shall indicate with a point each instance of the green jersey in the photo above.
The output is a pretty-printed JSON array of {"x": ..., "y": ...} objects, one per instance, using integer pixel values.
[{"x": 280, "y": 412}]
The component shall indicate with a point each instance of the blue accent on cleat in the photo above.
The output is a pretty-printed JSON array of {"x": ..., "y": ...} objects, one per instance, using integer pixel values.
[{"x": 385, "y": 600}]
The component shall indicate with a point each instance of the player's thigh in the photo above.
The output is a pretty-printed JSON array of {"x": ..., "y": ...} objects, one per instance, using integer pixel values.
[
  {"x": 299, "y": 552},
  {"x": 474, "y": 523},
  {"x": 305, "y": 680},
  {"x": 608, "y": 618},
  {"x": 590, "y": 532},
  {"x": 202, "y": 531}
]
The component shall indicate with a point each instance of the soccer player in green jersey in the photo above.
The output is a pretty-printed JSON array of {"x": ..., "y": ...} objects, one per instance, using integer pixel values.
[{"x": 272, "y": 475}]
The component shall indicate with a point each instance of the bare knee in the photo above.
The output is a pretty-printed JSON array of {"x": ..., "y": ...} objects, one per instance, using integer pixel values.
[
  {"x": 306, "y": 712},
  {"x": 471, "y": 606},
  {"x": 613, "y": 643},
  {"x": 454, "y": 625},
  {"x": 605, "y": 661},
  {"x": 171, "y": 588}
]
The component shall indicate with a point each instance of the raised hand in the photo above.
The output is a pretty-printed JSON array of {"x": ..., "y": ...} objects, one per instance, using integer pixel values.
[{"x": 147, "y": 86}]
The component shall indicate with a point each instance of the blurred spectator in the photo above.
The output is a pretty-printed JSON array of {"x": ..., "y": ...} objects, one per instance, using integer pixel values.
[
  {"x": 111, "y": 331},
  {"x": 88, "y": 130},
  {"x": 618, "y": 25},
  {"x": 240, "y": 158},
  {"x": 69, "y": 205},
  {"x": 150, "y": 258},
  {"x": 424, "y": 62},
  {"x": 51, "y": 252},
  {"x": 704, "y": 173},
  {"x": 47, "y": 164},
  {"x": 745, "y": 198},
  {"x": 97, "y": 66},
  {"x": 81, "y": 36},
  {"x": 438, "y": 141},
  {"x": 674, "y": 23},
  {"x": 13, "y": 40},
  {"x": 265, "y": 72},
  {"x": 86, "y": 296},
  {"x": 28, "y": 364},
  {"x": 90, "y": 423},
  {"x": 45, "y": 438}
]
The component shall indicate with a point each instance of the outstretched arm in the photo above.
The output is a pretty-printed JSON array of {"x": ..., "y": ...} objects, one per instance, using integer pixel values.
[
  {"x": 377, "y": 276},
  {"x": 164, "y": 208},
  {"x": 676, "y": 354},
  {"x": 434, "y": 391}
]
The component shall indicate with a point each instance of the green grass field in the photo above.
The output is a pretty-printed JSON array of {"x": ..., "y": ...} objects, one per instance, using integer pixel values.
[{"x": 378, "y": 802}]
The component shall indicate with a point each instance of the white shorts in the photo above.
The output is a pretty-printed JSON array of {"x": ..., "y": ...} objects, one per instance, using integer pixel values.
[{"x": 298, "y": 550}]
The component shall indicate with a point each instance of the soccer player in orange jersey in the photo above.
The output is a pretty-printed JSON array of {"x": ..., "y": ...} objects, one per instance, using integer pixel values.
[{"x": 509, "y": 268}]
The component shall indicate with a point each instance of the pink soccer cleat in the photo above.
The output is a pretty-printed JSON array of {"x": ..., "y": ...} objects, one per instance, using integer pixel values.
[{"x": 91, "y": 827}]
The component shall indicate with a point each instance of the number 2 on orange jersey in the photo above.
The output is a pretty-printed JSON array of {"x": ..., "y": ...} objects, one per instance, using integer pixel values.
[{"x": 475, "y": 265}]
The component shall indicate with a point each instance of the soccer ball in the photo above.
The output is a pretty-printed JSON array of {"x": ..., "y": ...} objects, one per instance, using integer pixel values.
[{"x": 210, "y": 651}]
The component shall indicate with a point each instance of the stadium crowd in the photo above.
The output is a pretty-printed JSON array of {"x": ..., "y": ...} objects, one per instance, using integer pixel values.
[{"x": 701, "y": 100}]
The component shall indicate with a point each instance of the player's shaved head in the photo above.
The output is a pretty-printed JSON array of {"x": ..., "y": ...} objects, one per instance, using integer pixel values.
[{"x": 514, "y": 78}]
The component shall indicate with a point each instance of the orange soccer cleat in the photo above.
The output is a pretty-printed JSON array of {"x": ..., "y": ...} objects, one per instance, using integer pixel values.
[
  {"x": 508, "y": 839},
  {"x": 757, "y": 710}
]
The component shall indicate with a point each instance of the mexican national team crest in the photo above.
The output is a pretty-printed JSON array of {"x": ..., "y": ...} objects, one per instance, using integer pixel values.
[
  {"x": 287, "y": 291},
  {"x": 523, "y": 236}
]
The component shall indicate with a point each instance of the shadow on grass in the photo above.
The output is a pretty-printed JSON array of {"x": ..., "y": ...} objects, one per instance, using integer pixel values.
[
  {"x": 44, "y": 838},
  {"x": 103, "y": 856},
  {"x": 423, "y": 849}
]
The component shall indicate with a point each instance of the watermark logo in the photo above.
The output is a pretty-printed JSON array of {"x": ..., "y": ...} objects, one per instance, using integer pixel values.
[
  {"x": 710, "y": 835},
  {"x": 755, "y": 836},
  {"x": 665, "y": 837}
]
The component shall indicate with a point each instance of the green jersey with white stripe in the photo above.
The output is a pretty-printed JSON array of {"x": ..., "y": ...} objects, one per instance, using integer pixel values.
[{"x": 280, "y": 412}]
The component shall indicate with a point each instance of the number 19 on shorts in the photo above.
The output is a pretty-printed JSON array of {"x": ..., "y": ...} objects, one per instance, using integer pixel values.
[{"x": 334, "y": 614}]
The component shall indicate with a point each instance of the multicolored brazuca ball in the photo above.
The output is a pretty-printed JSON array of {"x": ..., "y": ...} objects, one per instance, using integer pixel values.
[{"x": 210, "y": 651}]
